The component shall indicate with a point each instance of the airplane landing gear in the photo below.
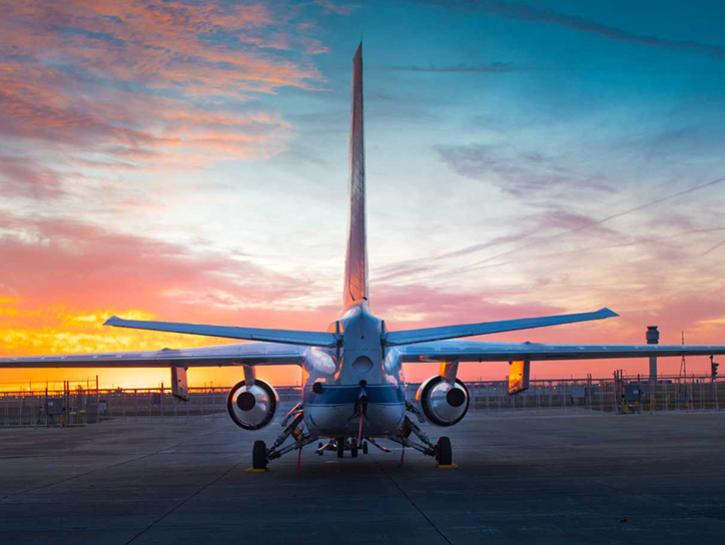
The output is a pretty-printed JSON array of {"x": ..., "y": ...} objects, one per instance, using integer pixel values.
[
  {"x": 340, "y": 445},
  {"x": 340, "y": 441},
  {"x": 259, "y": 456},
  {"x": 444, "y": 452},
  {"x": 441, "y": 451}
]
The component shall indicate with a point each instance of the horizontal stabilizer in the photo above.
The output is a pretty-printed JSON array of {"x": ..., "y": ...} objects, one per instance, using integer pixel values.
[
  {"x": 411, "y": 336},
  {"x": 307, "y": 338}
]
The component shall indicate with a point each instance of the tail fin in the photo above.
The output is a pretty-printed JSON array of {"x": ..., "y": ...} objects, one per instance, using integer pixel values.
[{"x": 356, "y": 261}]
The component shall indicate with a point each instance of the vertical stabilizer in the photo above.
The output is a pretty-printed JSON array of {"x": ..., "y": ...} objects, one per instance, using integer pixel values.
[{"x": 356, "y": 261}]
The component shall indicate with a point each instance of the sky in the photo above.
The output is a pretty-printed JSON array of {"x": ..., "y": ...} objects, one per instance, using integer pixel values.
[{"x": 188, "y": 161}]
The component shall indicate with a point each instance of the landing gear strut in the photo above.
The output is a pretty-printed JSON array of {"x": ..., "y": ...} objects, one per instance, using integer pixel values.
[
  {"x": 340, "y": 445},
  {"x": 340, "y": 441},
  {"x": 441, "y": 451},
  {"x": 261, "y": 455}
]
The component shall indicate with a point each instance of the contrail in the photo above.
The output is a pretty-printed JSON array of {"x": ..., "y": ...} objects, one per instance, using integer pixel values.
[
  {"x": 718, "y": 245},
  {"x": 579, "y": 24},
  {"x": 606, "y": 219}
]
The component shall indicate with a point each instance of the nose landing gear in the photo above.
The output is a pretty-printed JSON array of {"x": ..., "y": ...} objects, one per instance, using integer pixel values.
[{"x": 340, "y": 445}]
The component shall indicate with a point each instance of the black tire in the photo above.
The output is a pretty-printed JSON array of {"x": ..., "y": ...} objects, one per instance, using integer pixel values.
[
  {"x": 340, "y": 447},
  {"x": 353, "y": 450},
  {"x": 365, "y": 447},
  {"x": 444, "y": 452},
  {"x": 259, "y": 455}
]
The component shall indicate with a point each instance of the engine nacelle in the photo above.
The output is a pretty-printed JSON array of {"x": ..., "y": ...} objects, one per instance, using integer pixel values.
[
  {"x": 253, "y": 407},
  {"x": 443, "y": 404}
]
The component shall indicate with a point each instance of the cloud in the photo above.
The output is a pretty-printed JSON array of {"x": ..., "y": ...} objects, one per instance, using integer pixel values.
[
  {"x": 521, "y": 174},
  {"x": 143, "y": 84},
  {"x": 539, "y": 229},
  {"x": 418, "y": 305},
  {"x": 568, "y": 223},
  {"x": 20, "y": 176},
  {"x": 337, "y": 8},
  {"x": 60, "y": 261},
  {"x": 491, "y": 68},
  {"x": 579, "y": 24},
  {"x": 56, "y": 272}
]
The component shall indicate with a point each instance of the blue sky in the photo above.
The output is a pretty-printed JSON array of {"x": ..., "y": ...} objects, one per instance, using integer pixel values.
[{"x": 189, "y": 160}]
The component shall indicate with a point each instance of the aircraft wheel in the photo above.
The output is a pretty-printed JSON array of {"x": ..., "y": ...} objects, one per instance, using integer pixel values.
[
  {"x": 444, "y": 452},
  {"x": 353, "y": 449},
  {"x": 259, "y": 455},
  {"x": 365, "y": 447},
  {"x": 340, "y": 447}
]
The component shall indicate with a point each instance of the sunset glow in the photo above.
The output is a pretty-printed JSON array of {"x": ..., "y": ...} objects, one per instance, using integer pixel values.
[{"x": 187, "y": 161}]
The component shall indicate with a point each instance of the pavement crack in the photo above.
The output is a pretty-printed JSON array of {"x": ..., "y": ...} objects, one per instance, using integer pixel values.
[
  {"x": 85, "y": 473},
  {"x": 184, "y": 501},
  {"x": 415, "y": 505}
]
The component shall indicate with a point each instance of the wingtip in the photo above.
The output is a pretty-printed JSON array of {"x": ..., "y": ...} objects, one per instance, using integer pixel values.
[
  {"x": 112, "y": 320},
  {"x": 608, "y": 312}
]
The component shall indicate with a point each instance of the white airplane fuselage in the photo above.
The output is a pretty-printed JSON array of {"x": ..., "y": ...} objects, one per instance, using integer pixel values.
[{"x": 358, "y": 379}]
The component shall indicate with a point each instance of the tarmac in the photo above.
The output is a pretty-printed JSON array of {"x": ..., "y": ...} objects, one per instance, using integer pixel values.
[{"x": 523, "y": 476}]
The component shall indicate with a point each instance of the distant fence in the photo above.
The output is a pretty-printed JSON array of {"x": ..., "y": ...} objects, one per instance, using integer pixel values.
[
  {"x": 625, "y": 395},
  {"x": 80, "y": 406}
]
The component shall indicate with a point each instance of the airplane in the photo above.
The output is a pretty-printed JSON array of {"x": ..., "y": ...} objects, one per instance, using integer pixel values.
[{"x": 354, "y": 393}]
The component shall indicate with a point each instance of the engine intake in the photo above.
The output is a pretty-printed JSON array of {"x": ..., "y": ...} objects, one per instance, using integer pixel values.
[
  {"x": 252, "y": 407},
  {"x": 443, "y": 404}
]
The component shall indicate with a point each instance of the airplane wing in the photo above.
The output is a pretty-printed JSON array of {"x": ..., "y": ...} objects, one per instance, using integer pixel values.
[
  {"x": 207, "y": 356},
  {"x": 481, "y": 351},
  {"x": 409, "y": 336},
  {"x": 288, "y": 336}
]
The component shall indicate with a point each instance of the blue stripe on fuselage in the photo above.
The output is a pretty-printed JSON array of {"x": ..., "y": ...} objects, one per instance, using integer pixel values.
[{"x": 341, "y": 395}]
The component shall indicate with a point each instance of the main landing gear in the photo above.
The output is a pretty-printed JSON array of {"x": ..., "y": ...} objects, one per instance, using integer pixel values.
[
  {"x": 412, "y": 436},
  {"x": 293, "y": 425},
  {"x": 259, "y": 456},
  {"x": 443, "y": 452}
]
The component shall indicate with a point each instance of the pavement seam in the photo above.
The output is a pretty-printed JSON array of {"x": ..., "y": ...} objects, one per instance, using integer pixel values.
[
  {"x": 80, "y": 475},
  {"x": 415, "y": 505},
  {"x": 663, "y": 500},
  {"x": 184, "y": 501}
]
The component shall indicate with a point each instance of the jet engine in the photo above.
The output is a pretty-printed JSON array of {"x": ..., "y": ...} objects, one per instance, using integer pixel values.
[
  {"x": 443, "y": 403},
  {"x": 252, "y": 407}
]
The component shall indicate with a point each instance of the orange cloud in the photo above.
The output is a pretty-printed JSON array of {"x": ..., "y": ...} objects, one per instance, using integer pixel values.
[{"x": 62, "y": 279}]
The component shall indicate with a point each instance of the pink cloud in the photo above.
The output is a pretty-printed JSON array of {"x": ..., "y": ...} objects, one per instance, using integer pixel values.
[
  {"x": 337, "y": 8},
  {"x": 20, "y": 176},
  {"x": 144, "y": 84},
  {"x": 82, "y": 267}
]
